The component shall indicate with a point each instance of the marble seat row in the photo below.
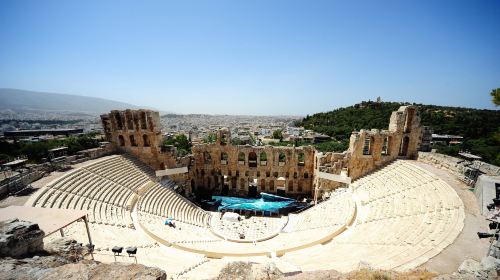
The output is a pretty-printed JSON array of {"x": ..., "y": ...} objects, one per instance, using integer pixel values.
[
  {"x": 181, "y": 233},
  {"x": 122, "y": 170},
  {"x": 164, "y": 202},
  {"x": 98, "y": 211},
  {"x": 338, "y": 210},
  {"x": 104, "y": 188},
  {"x": 406, "y": 217}
]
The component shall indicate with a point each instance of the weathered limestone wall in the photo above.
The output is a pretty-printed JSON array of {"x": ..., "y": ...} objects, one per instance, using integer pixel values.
[
  {"x": 242, "y": 164},
  {"x": 220, "y": 164},
  {"x": 451, "y": 164},
  {"x": 138, "y": 132},
  {"x": 105, "y": 149},
  {"x": 371, "y": 149},
  {"x": 457, "y": 166},
  {"x": 489, "y": 169}
]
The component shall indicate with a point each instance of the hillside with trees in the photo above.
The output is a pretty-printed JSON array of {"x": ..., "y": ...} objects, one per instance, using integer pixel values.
[{"x": 479, "y": 127}]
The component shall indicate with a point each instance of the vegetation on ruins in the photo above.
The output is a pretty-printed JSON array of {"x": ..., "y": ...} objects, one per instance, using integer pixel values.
[
  {"x": 181, "y": 142},
  {"x": 333, "y": 146},
  {"x": 37, "y": 151},
  {"x": 479, "y": 127},
  {"x": 328, "y": 146},
  {"x": 236, "y": 141},
  {"x": 210, "y": 138}
]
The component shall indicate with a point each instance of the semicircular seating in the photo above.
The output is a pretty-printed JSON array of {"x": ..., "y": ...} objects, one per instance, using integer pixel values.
[
  {"x": 406, "y": 216},
  {"x": 394, "y": 218},
  {"x": 105, "y": 188}
]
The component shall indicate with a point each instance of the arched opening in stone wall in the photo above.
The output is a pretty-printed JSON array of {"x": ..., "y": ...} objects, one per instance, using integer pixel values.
[
  {"x": 409, "y": 119},
  {"x": 290, "y": 186},
  {"x": 404, "y": 146},
  {"x": 223, "y": 138},
  {"x": 281, "y": 159},
  {"x": 145, "y": 140},
  {"x": 306, "y": 175},
  {"x": 252, "y": 159},
  {"x": 262, "y": 185},
  {"x": 207, "y": 158},
  {"x": 136, "y": 121},
  {"x": 271, "y": 185},
  {"x": 233, "y": 182},
  {"x": 299, "y": 187},
  {"x": 385, "y": 146},
  {"x": 242, "y": 184},
  {"x": 162, "y": 165},
  {"x": 118, "y": 121},
  {"x": 223, "y": 158},
  {"x": 143, "y": 120},
  {"x": 130, "y": 121},
  {"x": 301, "y": 159},
  {"x": 121, "y": 140},
  {"x": 367, "y": 146},
  {"x": 241, "y": 158},
  {"x": 132, "y": 141},
  {"x": 263, "y": 158}
]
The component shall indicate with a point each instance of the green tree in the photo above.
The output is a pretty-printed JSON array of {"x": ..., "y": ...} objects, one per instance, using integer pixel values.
[
  {"x": 495, "y": 93},
  {"x": 278, "y": 134},
  {"x": 181, "y": 142}
]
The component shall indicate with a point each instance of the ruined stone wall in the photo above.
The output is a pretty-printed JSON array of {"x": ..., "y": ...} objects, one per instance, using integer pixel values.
[
  {"x": 137, "y": 132},
  {"x": 220, "y": 164},
  {"x": 371, "y": 149},
  {"x": 451, "y": 164},
  {"x": 243, "y": 164},
  {"x": 457, "y": 166}
]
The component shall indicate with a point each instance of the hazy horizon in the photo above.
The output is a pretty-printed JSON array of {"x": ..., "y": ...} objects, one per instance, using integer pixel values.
[{"x": 261, "y": 58}]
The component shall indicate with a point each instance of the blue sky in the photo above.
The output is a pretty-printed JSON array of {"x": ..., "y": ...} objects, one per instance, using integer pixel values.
[{"x": 264, "y": 57}]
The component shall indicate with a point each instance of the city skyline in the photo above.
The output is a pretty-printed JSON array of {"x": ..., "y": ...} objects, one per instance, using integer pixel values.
[{"x": 264, "y": 58}]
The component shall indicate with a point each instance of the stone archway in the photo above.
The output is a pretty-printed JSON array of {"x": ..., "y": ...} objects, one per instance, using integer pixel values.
[{"x": 252, "y": 159}]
